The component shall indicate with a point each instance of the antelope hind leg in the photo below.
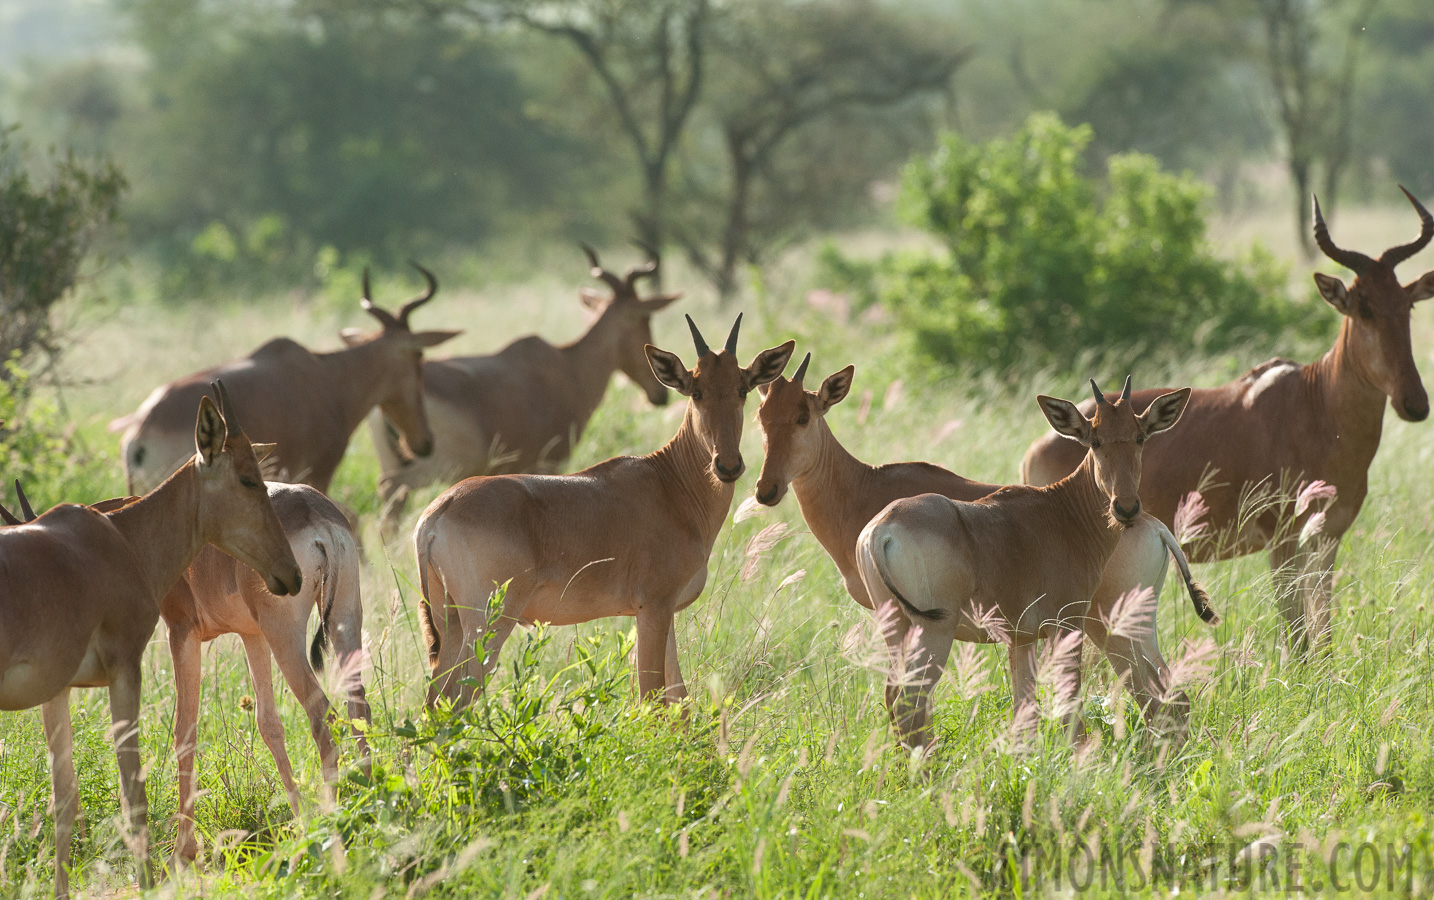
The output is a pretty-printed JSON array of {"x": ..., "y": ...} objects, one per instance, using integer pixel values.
[
  {"x": 65, "y": 796},
  {"x": 124, "y": 719}
]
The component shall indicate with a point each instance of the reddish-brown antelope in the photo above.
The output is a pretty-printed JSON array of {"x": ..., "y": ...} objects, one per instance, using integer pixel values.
[
  {"x": 306, "y": 403},
  {"x": 522, "y": 408},
  {"x": 1018, "y": 565},
  {"x": 839, "y": 494},
  {"x": 80, "y": 595},
  {"x": 1283, "y": 426},
  {"x": 628, "y": 537}
]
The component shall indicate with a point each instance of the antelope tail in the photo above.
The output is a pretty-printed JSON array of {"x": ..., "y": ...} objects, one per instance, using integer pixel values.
[
  {"x": 431, "y": 635},
  {"x": 324, "y": 597},
  {"x": 879, "y": 557},
  {"x": 1197, "y": 592}
]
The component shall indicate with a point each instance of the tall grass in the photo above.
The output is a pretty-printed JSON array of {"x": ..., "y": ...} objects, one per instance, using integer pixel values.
[{"x": 782, "y": 779}]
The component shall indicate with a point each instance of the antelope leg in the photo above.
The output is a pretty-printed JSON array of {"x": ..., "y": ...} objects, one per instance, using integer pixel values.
[
  {"x": 124, "y": 719},
  {"x": 65, "y": 799},
  {"x": 184, "y": 649}
]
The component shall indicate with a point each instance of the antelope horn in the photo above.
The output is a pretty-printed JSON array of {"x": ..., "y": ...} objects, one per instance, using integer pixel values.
[
  {"x": 697, "y": 339},
  {"x": 802, "y": 370},
  {"x": 649, "y": 268},
  {"x": 226, "y": 406},
  {"x": 1125, "y": 391},
  {"x": 25, "y": 509},
  {"x": 407, "y": 308},
  {"x": 8, "y": 517},
  {"x": 731, "y": 345},
  {"x": 1095, "y": 389},
  {"x": 1353, "y": 260},
  {"x": 385, "y": 318},
  {"x": 602, "y": 274},
  {"x": 367, "y": 294},
  {"x": 1396, "y": 255}
]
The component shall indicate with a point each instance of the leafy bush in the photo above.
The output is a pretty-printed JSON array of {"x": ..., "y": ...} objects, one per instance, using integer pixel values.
[
  {"x": 45, "y": 230},
  {"x": 37, "y": 448},
  {"x": 1043, "y": 262}
]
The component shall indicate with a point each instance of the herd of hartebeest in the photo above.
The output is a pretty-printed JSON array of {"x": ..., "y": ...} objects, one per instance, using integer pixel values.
[{"x": 1079, "y": 550}]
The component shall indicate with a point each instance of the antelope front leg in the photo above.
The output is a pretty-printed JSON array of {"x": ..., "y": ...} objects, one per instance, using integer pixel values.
[
  {"x": 653, "y": 628},
  {"x": 124, "y": 719},
  {"x": 65, "y": 799},
  {"x": 1304, "y": 585},
  {"x": 271, "y": 727},
  {"x": 184, "y": 648},
  {"x": 676, "y": 688},
  {"x": 1024, "y": 661}
]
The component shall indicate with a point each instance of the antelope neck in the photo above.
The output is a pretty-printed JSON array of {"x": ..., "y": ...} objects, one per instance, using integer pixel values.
[
  {"x": 1340, "y": 393},
  {"x": 684, "y": 466},
  {"x": 831, "y": 490},
  {"x": 590, "y": 362},
  {"x": 1081, "y": 501},
  {"x": 162, "y": 528},
  {"x": 356, "y": 378}
]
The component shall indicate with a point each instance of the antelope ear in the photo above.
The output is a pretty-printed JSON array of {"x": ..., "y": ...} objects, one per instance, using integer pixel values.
[
  {"x": 835, "y": 388},
  {"x": 1164, "y": 411},
  {"x": 262, "y": 451},
  {"x": 351, "y": 337},
  {"x": 1065, "y": 418},
  {"x": 210, "y": 432},
  {"x": 434, "y": 338},
  {"x": 768, "y": 365},
  {"x": 1420, "y": 289},
  {"x": 1333, "y": 292},
  {"x": 593, "y": 300},
  {"x": 669, "y": 370},
  {"x": 659, "y": 302}
]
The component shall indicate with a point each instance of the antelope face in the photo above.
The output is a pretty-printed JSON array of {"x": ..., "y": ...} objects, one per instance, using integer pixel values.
[
  {"x": 791, "y": 419},
  {"x": 235, "y": 512},
  {"x": 717, "y": 390},
  {"x": 1377, "y": 309},
  {"x": 631, "y": 318},
  {"x": 1114, "y": 438}
]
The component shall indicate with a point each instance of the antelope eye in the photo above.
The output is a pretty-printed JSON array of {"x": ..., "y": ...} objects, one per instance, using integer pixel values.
[
  {"x": 803, "y": 419},
  {"x": 696, "y": 395},
  {"x": 1095, "y": 443},
  {"x": 248, "y": 482},
  {"x": 1140, "y": 438}
]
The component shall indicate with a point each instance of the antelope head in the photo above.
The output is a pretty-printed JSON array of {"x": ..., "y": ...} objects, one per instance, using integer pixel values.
[
  {"x": 402, "y": 349},
  {"x": 235, "y": 513},
  {"x": 1114, "y": 437},
  {"x": 630, "y": 318},
  {"x": 790, "y": 416},
  {"x": 717, "y": 390},
  {"x": 1376, "y": 308}
]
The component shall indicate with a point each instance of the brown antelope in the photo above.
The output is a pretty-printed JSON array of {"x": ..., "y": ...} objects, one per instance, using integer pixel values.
[
  {"x": 1018, "y": 565},
  {"x": 522, "y": 408},
  {"x": 306, "y": 403},
  {"x": 80, "y": 595},
  {"x": 628, "y": 537},
  {"x": 1283, "y": 424},
  {"x": 839, "y": 494}
]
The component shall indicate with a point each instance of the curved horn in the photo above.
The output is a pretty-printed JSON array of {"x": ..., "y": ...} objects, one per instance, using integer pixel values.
[
  {"x": 1125, "y": 391},
  {"x": 1095, "y": 389},
  {"x": 8, "y": 517},
  {"x": 1353, "y": 260},
  {"x": 385, "y": 318},
  {"x": 647, "y": 269},
  {"x": 25, "y": 509},
  {"x": 406, "y": 309},
  {"x": 1396, "y": 255},
  {"x": 226, "y": 406},
  {"x": 731, "y": 345},
  {"x": 802, "y": 370},
  {"x": 600, "y": 273},
  {"x": 697, "y": 339}
]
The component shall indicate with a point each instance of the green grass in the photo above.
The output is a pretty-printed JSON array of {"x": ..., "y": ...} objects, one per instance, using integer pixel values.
[{"x": 783, "y": 779}]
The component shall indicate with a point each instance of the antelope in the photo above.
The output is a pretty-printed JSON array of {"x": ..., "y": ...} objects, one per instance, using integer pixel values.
[
  {"x": 627, "y": 537},
  {"x": 80, "y": 594},
  {"x": 1282, "y": 424},
  {"x": 1020, "y": 564},
  {"x": 306, "y": 403},
  {"x": 839, "y": 494},
  {"x": 522, "y": 408}
]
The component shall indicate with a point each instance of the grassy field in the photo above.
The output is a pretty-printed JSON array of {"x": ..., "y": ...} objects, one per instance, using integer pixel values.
[{"x": 783, "y": 780}]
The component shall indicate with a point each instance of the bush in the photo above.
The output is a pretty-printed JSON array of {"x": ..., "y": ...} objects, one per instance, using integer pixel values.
[{"x": 1043, "y": 262}]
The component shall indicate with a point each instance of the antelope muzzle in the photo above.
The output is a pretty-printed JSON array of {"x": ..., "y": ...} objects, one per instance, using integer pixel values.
[{"x": 725, "y": 473}]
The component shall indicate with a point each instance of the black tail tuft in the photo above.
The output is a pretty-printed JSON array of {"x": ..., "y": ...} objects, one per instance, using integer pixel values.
[
  {"x": 1202, "y": 604},
  {"x": 316, "y": 649},
  {"x": 328, "y": 588}
]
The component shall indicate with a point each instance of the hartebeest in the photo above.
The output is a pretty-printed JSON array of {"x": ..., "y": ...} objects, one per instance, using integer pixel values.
[
  {"x": 1018, "y": 565},
  {"x": 306, "y": 403},
  {"x": 839, "y": 494},
  {"x": 522, "y": 409},
  {"x": 80, "y": 595},
  {"x": 1283, "y": 426},
  {"x": 627, "y": 537}
]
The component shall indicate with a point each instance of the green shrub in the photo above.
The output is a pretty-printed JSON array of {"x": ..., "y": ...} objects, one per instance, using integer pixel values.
[
  {"x": 1043, "y": 262},
  {"x": 38, "y": 449}
]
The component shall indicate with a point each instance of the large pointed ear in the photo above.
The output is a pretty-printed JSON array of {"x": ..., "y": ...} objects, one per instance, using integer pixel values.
[
  {"x": 1420, "y": 289},
  {"x": 835, "y": 388},
  {"x": 669, "y": 370},
  {"x": 593, "y": 300},
  {"x": 768, "y": 365},
  {"x": 351, "y": 337},
  {"x": 1163, "y": 412},
  {"x": 1333, "y": 292},
  {"x": 1065, "y": 418},
  {"x": 262, "y": 451},
  {"x": 659, "y": 302},
  {"x": 434, "y": 338},
  {"x": 210, "y": 431}
]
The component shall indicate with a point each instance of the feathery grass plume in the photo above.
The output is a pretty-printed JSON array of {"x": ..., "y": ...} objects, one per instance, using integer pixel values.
[
  {"x": 758, "y": 546},
  {"x": 1188, "y": 515},
  {"x": 747, "y": 509},
  {"x": 1130, "y": 610},
  {"x": 1194, "y": 664}
]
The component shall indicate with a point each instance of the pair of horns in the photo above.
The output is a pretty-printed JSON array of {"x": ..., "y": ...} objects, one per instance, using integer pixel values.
[
  {"x": 1357, "y": 262},
  {"x": 388, "y": 319},
  {"x": 8, "y": 518},
  {"x": 627, "y": 283},
  {"x": 1100, "y": 395},
  {"x": 701, "y": 343}
]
